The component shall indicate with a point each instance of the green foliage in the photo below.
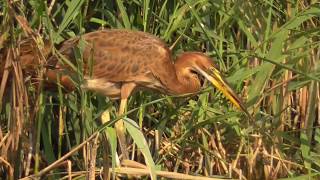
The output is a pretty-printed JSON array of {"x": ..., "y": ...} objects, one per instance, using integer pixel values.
[{"x": 268, "y": 51}]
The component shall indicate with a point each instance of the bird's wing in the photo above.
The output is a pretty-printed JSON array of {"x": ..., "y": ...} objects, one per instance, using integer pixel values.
[{"x": 121, "y": 55}]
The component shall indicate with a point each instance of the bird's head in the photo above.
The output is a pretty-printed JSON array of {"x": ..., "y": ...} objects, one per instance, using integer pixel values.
[{"x": 197, "y": 65}]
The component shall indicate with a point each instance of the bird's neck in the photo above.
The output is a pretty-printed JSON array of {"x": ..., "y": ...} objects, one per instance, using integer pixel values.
[{"x": 183, "y": 84}]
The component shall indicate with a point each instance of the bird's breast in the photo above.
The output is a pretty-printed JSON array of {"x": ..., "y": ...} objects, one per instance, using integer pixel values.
[{"x": 103, "y": 87}]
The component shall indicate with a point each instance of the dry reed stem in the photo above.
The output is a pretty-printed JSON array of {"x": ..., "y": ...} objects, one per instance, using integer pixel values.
[
  {"x": 9, "y": 167},
  {"x": 132, "y": 157},
  {"x": 220, "y": 151},
  {"x": 51, "y": 6},
  {"x": 93, "y": 155},
  {"x": 4, "y": 139},
  {"x": 239, "y": 173},
  {"x": 235, "y": 162},
  {"x": 146, "y": 172},
  {"x": 64, "y": 157},
  {"x": 28, "y": 163},
  {"x": 133, "y": 164},
  {"x": 62, "y": 111},
  {"x": 157, "y": 142},
  {"x": 5, "y": 76},
  {"x": 276, "y": 170},
  {"x": 265, "y": 153},
  {"x": 68, "y": 165},
  {"x": 69, "y": 168},
  {"x": 201, "y": 159},
  {"x": 106, "y": 160},
  {"x": 318, "y": 95},
  {"x": 173, "y": 175},
  {"x": 105, "y": 117}
]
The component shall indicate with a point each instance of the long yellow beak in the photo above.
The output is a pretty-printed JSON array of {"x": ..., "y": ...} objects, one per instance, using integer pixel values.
[{"x": 216, "y": 79}]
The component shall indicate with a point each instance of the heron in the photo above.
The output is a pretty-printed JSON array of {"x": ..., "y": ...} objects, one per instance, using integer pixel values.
[{"x": 118, "y": 62}]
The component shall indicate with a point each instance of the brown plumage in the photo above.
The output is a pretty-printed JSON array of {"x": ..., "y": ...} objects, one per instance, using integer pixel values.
[
  {"x": 135, "y": 59},
  {"x": 124, "y": 60},
  {"x": 117, "y": 62}
]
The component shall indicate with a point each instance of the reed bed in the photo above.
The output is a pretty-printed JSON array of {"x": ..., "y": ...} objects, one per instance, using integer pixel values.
[{"x": 268, "y": 50}]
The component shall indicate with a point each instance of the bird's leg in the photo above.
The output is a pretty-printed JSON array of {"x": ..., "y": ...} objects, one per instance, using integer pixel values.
[
  {"x": 126, "y": 90},
  {"x": 120, "y": 129}
]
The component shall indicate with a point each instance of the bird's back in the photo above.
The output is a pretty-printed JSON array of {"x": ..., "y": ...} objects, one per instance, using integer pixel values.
[{"x": 121, "y": 55}]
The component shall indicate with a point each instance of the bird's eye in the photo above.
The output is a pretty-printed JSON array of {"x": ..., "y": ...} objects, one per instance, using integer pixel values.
[{"x": 193, "y": 72}]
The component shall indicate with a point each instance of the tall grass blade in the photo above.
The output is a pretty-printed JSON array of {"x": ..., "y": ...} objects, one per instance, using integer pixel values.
[
  {"x": 142, "y": 144},
  {"x": 124, "y": 15},
  {"x": 73, "y": 10}
]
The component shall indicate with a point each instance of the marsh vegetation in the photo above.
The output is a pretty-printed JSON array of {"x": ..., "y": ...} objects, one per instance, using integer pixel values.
[{"x": 267, "y": 50}]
